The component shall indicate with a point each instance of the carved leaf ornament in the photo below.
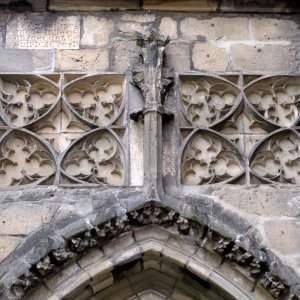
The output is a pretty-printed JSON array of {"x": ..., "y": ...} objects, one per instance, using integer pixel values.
[{"x": 254, "y": 266}]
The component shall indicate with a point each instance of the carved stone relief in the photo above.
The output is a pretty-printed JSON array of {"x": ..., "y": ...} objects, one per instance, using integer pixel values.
[
  {"x": 246, "y": 117},
  {"x": 96, "y": 158},
  {"x": 207, "y": 100},
  {"x": 97, "y": 99},
  {"x": 209, "y": 158},
  {"x": 24, "y": 159},
  {"x": 232, "y": 130},
  {"x": 56, "y": 140},
  {"x": 276, "y": 99},
  {"x": 24, "y": 99},
  {"x": 201, "y": 236},
  {"x": 278, "y": 158}
]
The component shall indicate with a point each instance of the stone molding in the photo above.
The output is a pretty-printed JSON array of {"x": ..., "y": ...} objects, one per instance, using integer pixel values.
[{"x": 152, "y": 214}]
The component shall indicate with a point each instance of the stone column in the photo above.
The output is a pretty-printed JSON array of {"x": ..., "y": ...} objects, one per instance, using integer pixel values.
[{"x": 148, "y": 77}]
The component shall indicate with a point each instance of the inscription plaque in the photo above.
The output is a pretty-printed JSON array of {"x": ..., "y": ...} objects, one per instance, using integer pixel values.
[{"x": 43, "y": 33}]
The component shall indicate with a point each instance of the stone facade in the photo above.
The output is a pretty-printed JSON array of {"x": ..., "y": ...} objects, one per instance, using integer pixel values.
[{"x": 128, "y": 157}]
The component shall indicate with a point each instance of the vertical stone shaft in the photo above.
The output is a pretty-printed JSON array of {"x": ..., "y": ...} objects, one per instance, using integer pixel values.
[
  {"x": 153, "y": 154},
  {"x": 152, "y": 51}
]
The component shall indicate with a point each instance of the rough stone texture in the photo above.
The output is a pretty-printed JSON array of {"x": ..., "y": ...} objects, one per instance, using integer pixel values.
[
  {"x": 96, "y": 31},
  {"x": 262, "y": 200},
  {"x": 90, "y": 60},
  {"x": 215, "y": 28},
  {"x": 168, "y": 27},
  {"x": 22, "y": 218},
  {"x": 125, "y": 54},
  {"x": 260, "y": 6},
  {"x": 131, "y": 28},
  {"x": 25, "y": 60},
  {"x": 209, "y": 57},
  {"x": 273, "y": 29},
  {"x": 182, "y": 5},
  {"x": 261, "y": 58},
  {"x": 178, "y": 56},
  {"x": 93, "y": 5},
  {"x": 118, "y": 245},
  {"x": 136, "y": 157},
  {"x": 139, "y": 18},
  {"x": 277, "y": 231},
  {"x": 7, "y": 245}
]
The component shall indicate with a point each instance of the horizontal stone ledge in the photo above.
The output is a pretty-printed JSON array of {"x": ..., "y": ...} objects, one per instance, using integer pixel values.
[
  {"x": 92, "y": 5},
  {"x": 259, "y": 6}
]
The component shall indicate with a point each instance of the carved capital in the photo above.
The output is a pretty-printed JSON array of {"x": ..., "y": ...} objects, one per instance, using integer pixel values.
[{"x": 150, "y": 76}]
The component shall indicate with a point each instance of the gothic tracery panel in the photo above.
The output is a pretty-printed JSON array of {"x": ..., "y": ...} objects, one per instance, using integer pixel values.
[
  {"x": 97, "y": 99},
  {"x": 235, "y": 125},
  {"x": 96, "y": 158},
  {"x": 208, "y": 100},
  {"x": 73, "y": 132},
  {"x": 24, "y": 159},
  {"x": 24, "y": 99},
  {"x": 209, "y": 158},
  {"x": 277, "y": 99},
  {"x": 277, "y": 159},
  {"x": 250, "y": 120}
]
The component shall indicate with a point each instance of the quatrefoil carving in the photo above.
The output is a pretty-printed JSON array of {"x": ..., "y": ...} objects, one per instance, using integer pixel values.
[
  {"x": 277, "y": 158},
  {"x": 24, "y": 159},
  {"x": 209, "y": 158},
  {"x": 25, "y": 99},
  {"x": 276, "y": 99},
  {"x": 97, "y": 99},
  {"x": 96, "y": 158},
  {"x": 208, "y": 100}
]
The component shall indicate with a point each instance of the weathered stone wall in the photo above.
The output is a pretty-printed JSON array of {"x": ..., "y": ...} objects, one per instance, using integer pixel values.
[{"x": 105, "y": 42}]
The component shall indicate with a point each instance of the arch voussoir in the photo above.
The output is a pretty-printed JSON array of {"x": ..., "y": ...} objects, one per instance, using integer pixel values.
[{"x": 93, "y": 259}]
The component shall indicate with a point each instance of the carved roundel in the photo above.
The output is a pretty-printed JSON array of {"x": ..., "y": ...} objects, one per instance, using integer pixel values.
[
  {"x": 97, "y": 158},
  {"x": 25, "y": 99},
  {"x": 276, "y": 99},
  {"x": 99, "y": 100},
  {"x": 277, "y": 158},
  {"x": 210, "y": 158},
  {"x": 207, "y": 100},
  {"x": 24, "y": 159}
]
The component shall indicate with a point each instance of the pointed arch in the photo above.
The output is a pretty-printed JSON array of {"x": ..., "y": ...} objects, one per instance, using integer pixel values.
[{"x": 219, "y": 264}]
